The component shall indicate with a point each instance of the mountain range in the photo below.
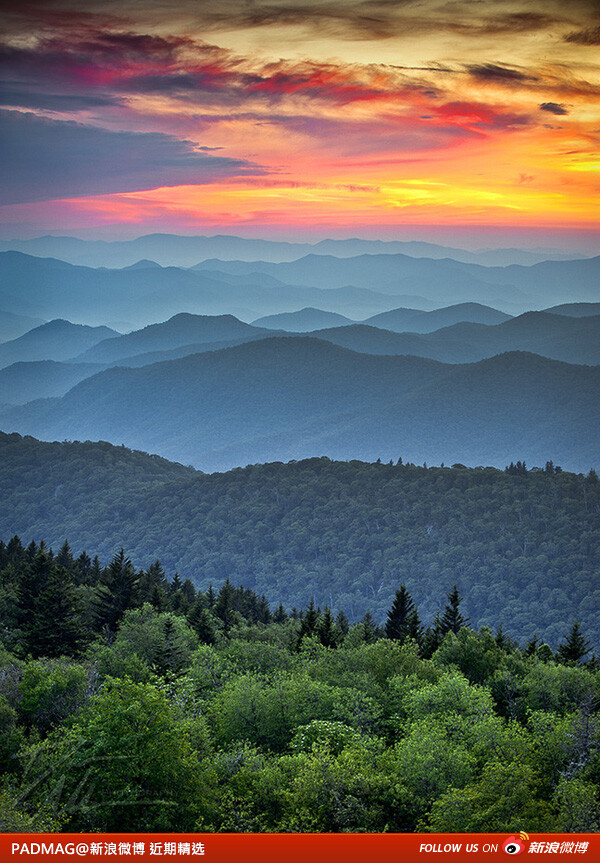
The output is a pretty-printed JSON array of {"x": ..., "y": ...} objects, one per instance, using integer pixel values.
[
  {"x": 356, "y": 287},
  {"x": 132, "y": 298},
  {"x": 174, "y": 250},
  {"x": 444, "y": 281},
  {"x": 55, "y": 340},
  {"x": 285, "y": 398},
  {"x": 24, "y": 376}
]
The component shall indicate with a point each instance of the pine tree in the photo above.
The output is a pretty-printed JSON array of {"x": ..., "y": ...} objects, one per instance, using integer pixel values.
[
  {"x": 224, "y": 606},
  {"x": 326, "y": 629},
  {"x": 56, "y": 627},
  {"x": 150, "y": 579},
  {"x": 532, "y": 645},
  {"x": 452, "y": 620},
  {"x": 342, "y": 623},
  {"x": 415, "y": 630},
  {"x": 309, "y": 622},
  {"x": 83, "y": 569},
  {"x": 158, "y": 598},
  {"x": 170, "y": 658},
  {"x": 575, "y": 647},
  {"x": 371, "y": 631},
  {"x": 116, "y": 593},
  {"x": 402, "y": 619},
  {"x": 280, "y": 615},
  {"x": 65, "y": 557},
  {"x": 34, "y": 574}
]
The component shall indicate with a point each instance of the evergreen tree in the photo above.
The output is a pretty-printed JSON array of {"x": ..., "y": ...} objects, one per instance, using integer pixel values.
[
  {"x": 532, "y": 645},
  {"x": 149, "y": 580},
  {"x": 402, "y": 619},
  {"x": 575, "y": 647},
  {"x": 33, "y": 576},
  {"x": 310, "y": 621},
  {"x": 56, "y": 627},
  {"x": 452, "y": 620},
  {"x": 158, "y": 598},
  {"x": 83, "y": 569},
  {"x": 342, "y": 623},
  {"x": 415, "y": 630},
  {"x": 326, "y": 629},
  {"x": 116, "y": 593},
  {"x": 371, "y": 632},
  {"x": 224, "y": 606},
  {"x": 280, "y": 615},
  {"x": 433, "y": 637},
  {"x": 170, "y": 658},
  {"x": 65, "y": 557}
]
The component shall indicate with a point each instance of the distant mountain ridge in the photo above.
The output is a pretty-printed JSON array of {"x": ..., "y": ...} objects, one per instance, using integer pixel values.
[
  {"x": 559, "y": 337},
  {"x": 443, "y": 280},
  {"x": 417, "y": 321},
  {"x": 179, "y": 330},
  {"x": 55, "y": 340},
  {"x": 303, "y": 321},
  {"x": 181, "y": 251},
  {"x": 53, "y": 289},
  {"x": 283, "y": 398}
]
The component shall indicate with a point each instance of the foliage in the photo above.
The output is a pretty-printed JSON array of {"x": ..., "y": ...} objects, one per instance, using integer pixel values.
[{"x": 347, "y": 534}]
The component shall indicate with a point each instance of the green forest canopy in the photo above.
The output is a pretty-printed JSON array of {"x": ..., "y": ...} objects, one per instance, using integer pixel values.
[
  {"x": 130, "y": 703},
  {"x": 521, "y": 545}
]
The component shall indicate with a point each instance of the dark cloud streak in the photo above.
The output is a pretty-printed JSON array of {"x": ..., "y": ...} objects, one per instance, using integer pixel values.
[
  {"x": 49, "y": 159},
  {"x": 553, "y": 108},
  {"x": 591, "y": 36},
  {"x": 499, "y": 74}
]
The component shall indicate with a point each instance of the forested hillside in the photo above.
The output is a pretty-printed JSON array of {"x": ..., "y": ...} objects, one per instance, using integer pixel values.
[
  {"x": 522, "y": 546},
  {"x": 131, "y": 702}
]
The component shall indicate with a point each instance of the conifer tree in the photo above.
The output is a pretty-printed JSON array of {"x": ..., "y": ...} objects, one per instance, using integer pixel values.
[
  {"x": 452, "y": 620},
  {"x": 280, "y": 614},
  {"x": 575, "y": 647},
  {"x": 150, "y": 579},
  {"x": 83, "y": 569},
  {"x": 224, "y": 606},
  {"x": 201, "y": 620},
  {"x": 371, "y": 631},
  {"x": 116, "y": 593},
  {"x": 342, "y": 623},
  {"x": 532, "y": 645},
  {"x": 309, "y": 621},
  {"x": 170, "y": 658},
  {"x": 64, "y": 556},
  {"x": 326, "y": 629},
  {"x": 402, "y": 618},
  {"x": 34, "y": 574},
  {"x": 56, "y": 627},
  {"x": 433, "y": 637},
  {"x": 158, "y": 598}
]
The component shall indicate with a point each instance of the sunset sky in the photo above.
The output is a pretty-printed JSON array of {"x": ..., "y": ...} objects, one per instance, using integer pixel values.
[{"x": 474, "y": 121}]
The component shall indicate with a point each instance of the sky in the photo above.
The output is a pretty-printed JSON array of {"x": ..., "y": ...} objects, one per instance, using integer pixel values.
[{"x": 475, "y": 121}]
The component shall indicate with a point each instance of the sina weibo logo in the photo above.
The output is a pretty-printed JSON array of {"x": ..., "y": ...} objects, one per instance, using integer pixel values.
[{"x": 514, "y": 845}]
